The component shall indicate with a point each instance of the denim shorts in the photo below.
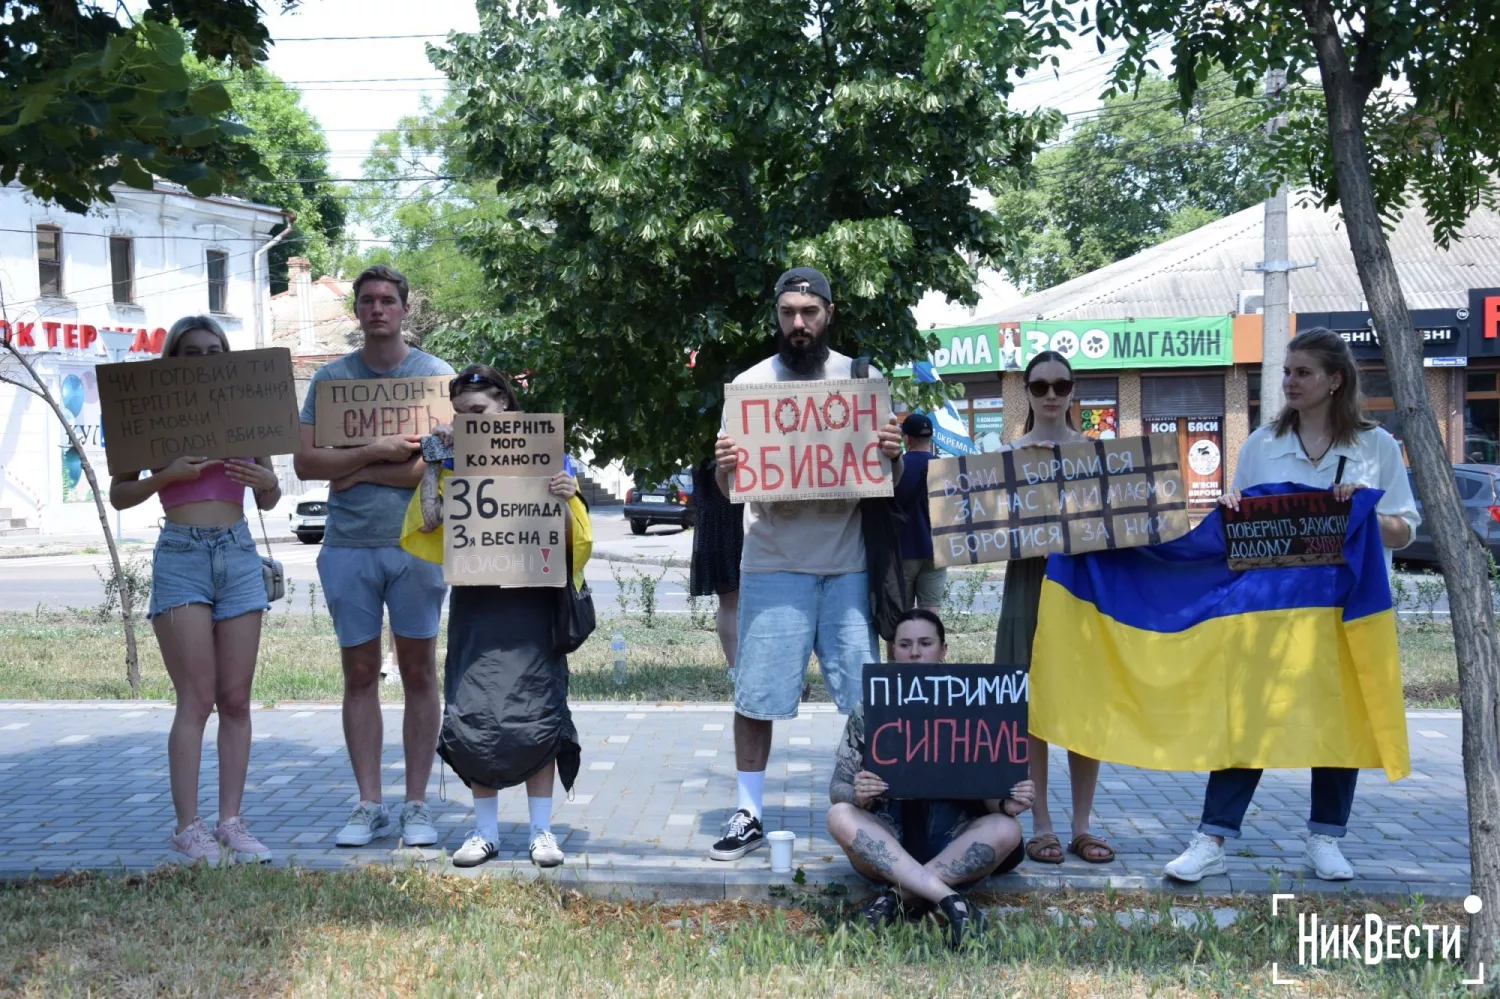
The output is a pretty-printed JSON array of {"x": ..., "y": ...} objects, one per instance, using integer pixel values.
[
  {"x": 360, "y": 583},
  {"x": 783, "y": 618},
  {"x": 218, "y": 566}
]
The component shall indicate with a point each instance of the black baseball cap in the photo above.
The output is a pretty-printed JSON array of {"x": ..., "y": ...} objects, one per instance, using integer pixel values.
[
  {"x": 917, "y": 425},
  {"x": 805, "y": 280}
]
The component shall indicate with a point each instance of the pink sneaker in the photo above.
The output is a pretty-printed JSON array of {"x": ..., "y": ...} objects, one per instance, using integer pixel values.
[
  {"x": 196, "y": 843},
  {"x": 238, "y": 845}
]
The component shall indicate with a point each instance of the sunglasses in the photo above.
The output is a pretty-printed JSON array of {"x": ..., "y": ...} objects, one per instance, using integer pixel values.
[
  {"x": 1060, "y": 388},
  {"x": 469, "y": 382}
]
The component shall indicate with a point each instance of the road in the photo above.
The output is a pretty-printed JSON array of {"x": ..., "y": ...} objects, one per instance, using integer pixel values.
[{"x": 73, "y": 580}]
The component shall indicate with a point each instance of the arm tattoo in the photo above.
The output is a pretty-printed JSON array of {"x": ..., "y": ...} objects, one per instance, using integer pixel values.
[
  {"x": 978, "y": 859},
  {"x": 875, "y": 853}
]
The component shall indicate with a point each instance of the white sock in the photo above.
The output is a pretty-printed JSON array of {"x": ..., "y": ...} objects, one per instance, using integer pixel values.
[
  {"x": 487, "y": 817},
  {"x": 541, "y": 814},
  {"x": 751, "y": 786}
]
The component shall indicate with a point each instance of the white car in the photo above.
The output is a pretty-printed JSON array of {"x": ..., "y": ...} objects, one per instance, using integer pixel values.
[{"x": 310, "y": 516}]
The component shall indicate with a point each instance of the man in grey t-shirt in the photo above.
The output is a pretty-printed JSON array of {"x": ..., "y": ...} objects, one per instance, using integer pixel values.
[
  {"x": 365, "y": 571},
  {"x": 803, "y": 584}
]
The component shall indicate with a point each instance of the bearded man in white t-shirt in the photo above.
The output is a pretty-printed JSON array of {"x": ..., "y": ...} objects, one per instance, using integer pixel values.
[{"x": 803, "y": 581}]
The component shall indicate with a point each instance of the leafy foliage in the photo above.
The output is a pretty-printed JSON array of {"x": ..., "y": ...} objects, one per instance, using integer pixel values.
[
  {"x": 656, "y": 164},
  {"x": 1427, "y": 79},
  {"x": 293, "y": 153},
  {"x": 88, "y": 100},
  {"x": 1137, "y": 172}
]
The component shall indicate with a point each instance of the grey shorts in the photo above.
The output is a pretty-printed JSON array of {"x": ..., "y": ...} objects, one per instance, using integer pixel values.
[
  {"x": 217, "y": 566},
  {"x": 924, "y": 581},
  {"x": 360, "y": 583}
]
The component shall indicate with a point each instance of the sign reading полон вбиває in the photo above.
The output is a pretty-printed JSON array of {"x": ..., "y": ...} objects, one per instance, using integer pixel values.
[
  {"x": 943, "y": 730},
  {"x": 1066, "y": 499},
  {"x": 813, "y": 440},
  {"x": 1287, "y": 529},
  {"x": 239, "y": 404}
]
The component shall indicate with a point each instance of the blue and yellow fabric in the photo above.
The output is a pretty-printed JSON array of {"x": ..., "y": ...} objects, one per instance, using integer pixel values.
[
  {"x": 429, "y": 547},
  {"x": 1163, "y": 657}
]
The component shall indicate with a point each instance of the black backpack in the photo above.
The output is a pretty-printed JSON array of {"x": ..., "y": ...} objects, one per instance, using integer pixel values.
[{"x": 881, "y": 521}]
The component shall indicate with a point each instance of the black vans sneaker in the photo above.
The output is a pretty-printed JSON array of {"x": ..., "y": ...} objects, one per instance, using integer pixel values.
[
  {"x": 744, "y": 834},
  {"x": 964, "y": 923}
]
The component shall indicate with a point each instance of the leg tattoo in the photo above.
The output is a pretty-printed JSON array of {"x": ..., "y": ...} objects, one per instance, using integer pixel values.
[
  {"x": 977, "y": 859},
  {"x": 876, "y": 853}
]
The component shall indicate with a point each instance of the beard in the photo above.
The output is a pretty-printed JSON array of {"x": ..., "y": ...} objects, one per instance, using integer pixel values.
[{"x": 806, "y": 360}]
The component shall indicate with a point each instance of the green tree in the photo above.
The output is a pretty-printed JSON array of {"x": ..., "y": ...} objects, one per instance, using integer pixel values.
[
  {"x": 293, "y": 153},
  {"x": 90, "y": 98},
  {"x": 424, "y": 216},
  {"x": 1404, "y": 107},
  {"x": 1135, "y": 172},
  {"x": 656, "y": 164}
]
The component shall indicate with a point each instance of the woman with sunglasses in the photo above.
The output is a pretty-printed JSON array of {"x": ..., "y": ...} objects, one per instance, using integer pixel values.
[
  {"x": 505, "y": 684},
  {"x": 1049, "y": 421}
]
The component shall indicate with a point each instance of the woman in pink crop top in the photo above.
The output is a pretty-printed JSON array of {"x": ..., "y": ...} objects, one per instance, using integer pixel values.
[{"x": 207, "y": 598}]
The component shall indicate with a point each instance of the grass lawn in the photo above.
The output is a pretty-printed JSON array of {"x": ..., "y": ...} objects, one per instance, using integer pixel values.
[
  {"x": 74, "y": 654},
  {"x": 275, "y": 932}
]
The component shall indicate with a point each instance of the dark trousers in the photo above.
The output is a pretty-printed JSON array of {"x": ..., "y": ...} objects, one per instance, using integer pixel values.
[{"x": 1229, "y": 793}]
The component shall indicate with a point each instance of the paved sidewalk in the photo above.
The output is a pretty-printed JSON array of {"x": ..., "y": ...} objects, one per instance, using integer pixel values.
[{"x": 84, "y": 785}]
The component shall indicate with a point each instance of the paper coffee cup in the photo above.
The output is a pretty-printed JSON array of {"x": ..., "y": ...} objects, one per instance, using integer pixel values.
[{"x": 782, "y": 841}]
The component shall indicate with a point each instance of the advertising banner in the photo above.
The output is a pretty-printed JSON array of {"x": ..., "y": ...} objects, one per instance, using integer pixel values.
[{"x": 1196, "y": 341}]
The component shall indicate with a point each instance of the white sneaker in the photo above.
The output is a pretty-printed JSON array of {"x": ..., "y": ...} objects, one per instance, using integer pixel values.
[
  {"x": 368, "y": 821},
  {"x": 544, "y": 850},
  {"x": 416, "y": 825},
  {"x": 1202, "y": 858},
  {"x": 475, "y": 851},
  {"x": 1326, "y": 859}
]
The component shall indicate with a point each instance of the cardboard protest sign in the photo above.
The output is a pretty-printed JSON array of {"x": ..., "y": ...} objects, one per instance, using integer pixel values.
[
  {"x": 524, "y": 444},
  {"x": 1289, "y": 529},
  {"x": 941, "y": 730},
  {"x": 503, "y": 531},
  {"x": 813, "y": 440},
  {"x": 1066, "y": 499},
  {"x": 241, "y": 404},
  {"x": 355, "y": 411}
]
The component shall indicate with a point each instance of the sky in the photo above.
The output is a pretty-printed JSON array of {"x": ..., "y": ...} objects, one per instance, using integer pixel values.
[{"x": 393, "y": 75}]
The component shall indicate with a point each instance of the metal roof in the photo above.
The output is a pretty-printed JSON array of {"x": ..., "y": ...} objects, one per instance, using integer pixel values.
[{"x": 1203, "y": 272}]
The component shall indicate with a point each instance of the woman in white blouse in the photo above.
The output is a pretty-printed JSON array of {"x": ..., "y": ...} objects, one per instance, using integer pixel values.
[{"x": 1323, "y": 439}]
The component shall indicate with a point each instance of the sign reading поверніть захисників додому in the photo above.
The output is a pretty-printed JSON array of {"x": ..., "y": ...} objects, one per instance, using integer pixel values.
[
  {"x": 503, "y": 525},
  {"x": 1286, "y": 529},
  {"x": 813, "y": 440},
  {"x": 1070, "y": 498},
  {"x": 239, "y": 404}
]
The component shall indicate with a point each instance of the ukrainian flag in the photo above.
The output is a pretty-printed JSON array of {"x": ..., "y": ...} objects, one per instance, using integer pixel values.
[{"x": 1163, "y": 657}]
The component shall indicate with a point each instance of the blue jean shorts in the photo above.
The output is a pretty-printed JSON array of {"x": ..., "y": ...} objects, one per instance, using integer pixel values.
[
  {"x": 783, "y": 618},
  {"x": 360, "y": 583},
  {"x": 218, "y": 566}
]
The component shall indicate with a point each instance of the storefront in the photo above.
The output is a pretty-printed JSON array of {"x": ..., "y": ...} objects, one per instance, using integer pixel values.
[{"x": 1481, "y": 440}]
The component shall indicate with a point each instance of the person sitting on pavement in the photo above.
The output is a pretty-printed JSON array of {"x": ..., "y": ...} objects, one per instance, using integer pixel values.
[
  {"x": 920, "y": 850},
  {"x": 505, "y": 681}
]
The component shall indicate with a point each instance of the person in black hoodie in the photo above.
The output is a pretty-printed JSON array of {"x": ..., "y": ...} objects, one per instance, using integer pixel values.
[{"x": 505, "y": 683}]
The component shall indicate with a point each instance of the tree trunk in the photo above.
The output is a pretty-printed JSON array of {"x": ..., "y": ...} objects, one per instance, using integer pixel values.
[
  {"x": 127, "y": 611},
  {"x": 1464, "y": 564}
]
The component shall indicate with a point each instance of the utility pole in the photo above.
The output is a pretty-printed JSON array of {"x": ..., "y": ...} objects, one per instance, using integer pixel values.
[{"x": 1275, "y": 272}]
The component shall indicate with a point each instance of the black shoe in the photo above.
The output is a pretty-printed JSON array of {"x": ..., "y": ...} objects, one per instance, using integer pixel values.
[
  {"x": 964, "y": 922},
  {"x": 885, "y": 909},
  {"x": 744, "y": 834}
]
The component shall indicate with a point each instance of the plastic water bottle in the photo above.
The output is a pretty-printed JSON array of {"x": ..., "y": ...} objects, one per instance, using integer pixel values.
[{"x": 617, "y": 650}]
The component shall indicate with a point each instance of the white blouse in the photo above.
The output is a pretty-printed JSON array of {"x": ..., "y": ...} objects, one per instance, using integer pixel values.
[{"x": 1373, "y": 460}]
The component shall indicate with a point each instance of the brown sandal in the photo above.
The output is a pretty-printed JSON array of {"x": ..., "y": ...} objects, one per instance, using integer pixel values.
[
  {"x": 1048, "y": 842},
  {"x": 1088, "y": 841}
]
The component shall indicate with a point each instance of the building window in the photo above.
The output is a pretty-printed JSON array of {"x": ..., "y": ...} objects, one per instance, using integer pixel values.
[
  {"x": 218, "y": 280},
  {"x": 49, "y": 259},
  {"x": 122, "y": 268},
  {"x": 1096, "y": 407},
  {"x": 1252, "y": 390}
]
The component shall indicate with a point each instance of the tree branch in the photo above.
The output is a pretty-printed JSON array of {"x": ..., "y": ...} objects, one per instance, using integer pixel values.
[{"x": 708, "y": 57}]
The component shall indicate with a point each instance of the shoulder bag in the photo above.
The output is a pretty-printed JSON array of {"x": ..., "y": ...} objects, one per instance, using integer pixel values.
[{"x": 271, "y": 571}]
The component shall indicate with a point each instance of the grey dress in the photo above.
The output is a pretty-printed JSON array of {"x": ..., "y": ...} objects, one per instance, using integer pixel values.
[{"x": 1018, "y": 610}]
